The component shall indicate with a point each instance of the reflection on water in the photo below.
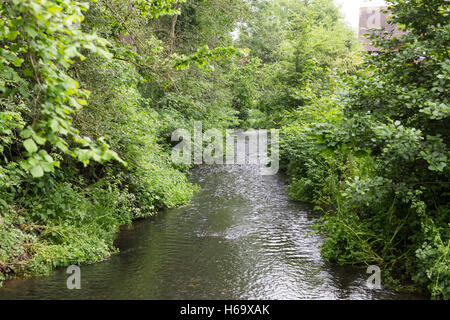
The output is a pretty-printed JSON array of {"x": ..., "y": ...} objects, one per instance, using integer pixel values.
[{"x": 240, "y": 238}]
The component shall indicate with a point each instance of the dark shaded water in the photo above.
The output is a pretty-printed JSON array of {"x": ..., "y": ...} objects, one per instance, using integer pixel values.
[{"x": 240, "y": 238}]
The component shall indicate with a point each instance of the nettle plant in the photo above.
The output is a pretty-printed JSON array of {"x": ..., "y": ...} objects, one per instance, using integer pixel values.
[{"x": 40, "y": 42}]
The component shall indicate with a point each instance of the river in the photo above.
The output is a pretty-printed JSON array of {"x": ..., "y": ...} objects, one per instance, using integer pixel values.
[{"x": 240, "y": 238}]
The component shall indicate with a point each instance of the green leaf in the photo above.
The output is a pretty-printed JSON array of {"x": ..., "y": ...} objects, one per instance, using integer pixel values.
[
  {"x": 37, "y": 172},
  {"x": 26, "y": 133},
  {"x": 30, "y": 146},
  {"x": 12, "y": 35},
  {"x": 39, "y": 140},
  {"x": 62, "y": 146},
  {"x": 25, "y": 165},
  {"x": 18, "y": 62}
]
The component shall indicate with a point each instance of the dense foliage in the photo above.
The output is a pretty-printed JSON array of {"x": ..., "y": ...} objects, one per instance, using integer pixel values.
[{"x": 91, "y": 92}]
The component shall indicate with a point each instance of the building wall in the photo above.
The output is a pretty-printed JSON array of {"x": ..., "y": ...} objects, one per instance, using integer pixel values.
[{"x": 373, "y": 18}]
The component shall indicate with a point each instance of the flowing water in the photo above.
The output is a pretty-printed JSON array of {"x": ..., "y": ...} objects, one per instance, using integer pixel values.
[{"x": 240, "y": 238}]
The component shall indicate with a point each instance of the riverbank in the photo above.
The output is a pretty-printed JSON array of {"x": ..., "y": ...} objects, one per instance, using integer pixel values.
[{"x": 61, "y": 222}]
